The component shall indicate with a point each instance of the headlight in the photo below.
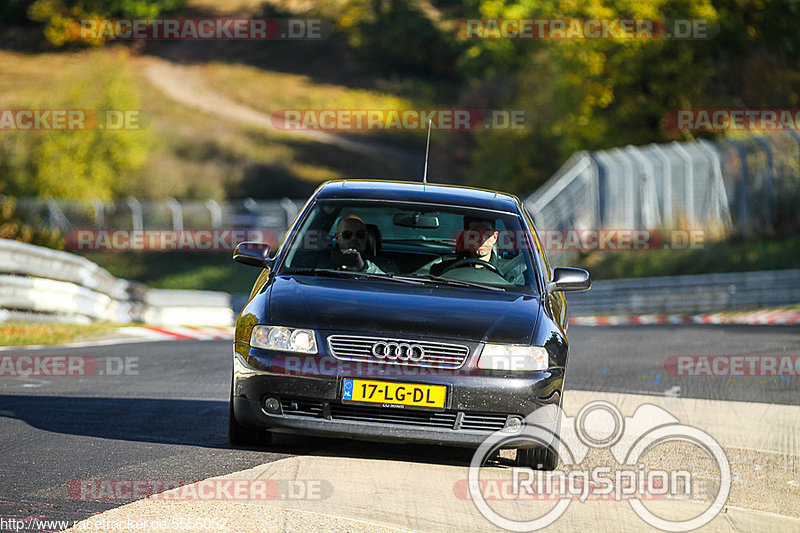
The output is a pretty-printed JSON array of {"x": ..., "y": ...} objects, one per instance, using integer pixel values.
[
  {"x": 284, "y": 339},
  {"x": 510, "y": 357}
]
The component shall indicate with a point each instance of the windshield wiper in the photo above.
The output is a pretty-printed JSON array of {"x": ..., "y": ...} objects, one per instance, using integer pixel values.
[
  {"x": 412, "y": 280},
  {"x": 422, "y": 240},
  {"x": 353, "y": 274},
  {"x": 448, "y": 281}
]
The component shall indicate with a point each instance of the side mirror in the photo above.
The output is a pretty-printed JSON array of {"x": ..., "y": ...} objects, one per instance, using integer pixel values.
[
  {"x": 569, "y": 279},
  {"x": 253, "y": 254}
]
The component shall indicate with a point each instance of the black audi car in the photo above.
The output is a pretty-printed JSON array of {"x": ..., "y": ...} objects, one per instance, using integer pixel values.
[{"x": 402, "y": 311}]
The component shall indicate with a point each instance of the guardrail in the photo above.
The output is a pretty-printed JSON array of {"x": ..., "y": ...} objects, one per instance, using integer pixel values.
[
  {"x": 41, "y": 284},
  {"x": 703, "y": 293},
  {"x": 688, "y": 294},
  {"x": 164, "y": 306},
  {"x": 37, "y": 283}
]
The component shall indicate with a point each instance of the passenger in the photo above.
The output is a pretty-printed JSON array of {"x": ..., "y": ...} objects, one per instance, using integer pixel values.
[{"x": 351, "y": 244}]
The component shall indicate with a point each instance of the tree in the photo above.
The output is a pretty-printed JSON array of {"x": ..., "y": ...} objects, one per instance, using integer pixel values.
[
  {"x": 62, "y": 17},
  {"x": 84, "y": 163}
]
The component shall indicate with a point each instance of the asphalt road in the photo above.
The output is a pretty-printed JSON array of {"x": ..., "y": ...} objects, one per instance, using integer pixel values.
[
  {"x": 632, "y": 359},
  {"x": 166, "y": 419}
]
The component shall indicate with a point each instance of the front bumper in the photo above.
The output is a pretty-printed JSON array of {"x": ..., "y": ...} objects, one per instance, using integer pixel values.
[{"x": 478, "y": 402}]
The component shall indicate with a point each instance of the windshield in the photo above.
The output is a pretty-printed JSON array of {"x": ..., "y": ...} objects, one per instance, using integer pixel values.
[{"x": 466, "y": 247}]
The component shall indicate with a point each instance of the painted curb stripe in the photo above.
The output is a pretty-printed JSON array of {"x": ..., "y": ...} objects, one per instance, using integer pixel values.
[{"x": 777, "y": 318}]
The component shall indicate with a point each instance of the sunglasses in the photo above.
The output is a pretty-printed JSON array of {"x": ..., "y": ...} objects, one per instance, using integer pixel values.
[{"x": 347, "y": 234}]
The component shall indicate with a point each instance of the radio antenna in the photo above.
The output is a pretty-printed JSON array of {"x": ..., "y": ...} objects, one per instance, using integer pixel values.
[{"x": 427, "y": 149}]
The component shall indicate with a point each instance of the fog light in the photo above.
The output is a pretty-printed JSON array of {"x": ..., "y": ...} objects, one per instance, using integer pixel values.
[
  {"x": 514, "y": 423},
  {"x": 272, "y": 405}
]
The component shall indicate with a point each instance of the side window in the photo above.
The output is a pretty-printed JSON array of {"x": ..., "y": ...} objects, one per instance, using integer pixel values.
[{"x": 539, "y": 248}]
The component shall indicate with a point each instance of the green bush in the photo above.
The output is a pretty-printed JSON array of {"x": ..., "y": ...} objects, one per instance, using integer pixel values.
[
  {"x": 83, "y": 163},
  {"x": 395, "y": 36},
  {"x": 61, "y": 17},
  {"x": 12, "y": 227}
]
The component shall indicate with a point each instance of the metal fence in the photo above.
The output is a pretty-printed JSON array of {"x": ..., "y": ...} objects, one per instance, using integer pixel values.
[
  {"x": 688, "y": 294},
  {"x": 746, "y": 186},
  {"x": 730, "y": 186},
  {"x": 134, "y": 214}
]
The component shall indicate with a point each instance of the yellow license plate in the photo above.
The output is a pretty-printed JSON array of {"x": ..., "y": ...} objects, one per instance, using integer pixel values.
[{"x": 389, "y": 393}]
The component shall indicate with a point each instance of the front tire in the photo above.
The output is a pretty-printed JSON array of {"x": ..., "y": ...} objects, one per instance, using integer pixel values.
[
  {"x": 540, "y": 458},
  {"x": 240, "y": 435}
]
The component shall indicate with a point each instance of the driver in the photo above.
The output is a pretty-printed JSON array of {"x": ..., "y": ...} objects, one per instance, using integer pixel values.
[
  {"x": 351, "y": 242},
  {"x": 476, "y": 242}
]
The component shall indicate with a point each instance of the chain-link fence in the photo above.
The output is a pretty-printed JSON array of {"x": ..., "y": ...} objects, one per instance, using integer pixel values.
[{"x": 747, "y": 186}]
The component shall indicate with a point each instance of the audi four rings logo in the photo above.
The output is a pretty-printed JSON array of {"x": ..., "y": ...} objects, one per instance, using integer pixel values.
[{"x": 401, "y": 351}]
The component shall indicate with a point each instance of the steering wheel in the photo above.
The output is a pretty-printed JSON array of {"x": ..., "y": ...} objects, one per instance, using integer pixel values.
[{"x": 465, "y": 262}]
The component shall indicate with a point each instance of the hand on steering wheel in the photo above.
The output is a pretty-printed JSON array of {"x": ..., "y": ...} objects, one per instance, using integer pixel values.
[{"x": 464, "y": 262}]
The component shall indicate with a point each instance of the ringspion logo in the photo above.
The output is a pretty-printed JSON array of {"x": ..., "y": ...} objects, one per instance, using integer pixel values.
[{"x": 626, "y": 477}]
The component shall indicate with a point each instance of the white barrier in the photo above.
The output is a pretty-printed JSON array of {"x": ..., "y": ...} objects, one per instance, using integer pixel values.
[
  {"x": 175, "y": 307},
  {"x": 61, "y": 297},
  {"x": 701, "y": 293},
  {"x": 59, "y": 286},
  {"x": 36, "y": 261}
]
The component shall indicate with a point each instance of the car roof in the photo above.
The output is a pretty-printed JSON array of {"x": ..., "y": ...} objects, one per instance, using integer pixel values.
[{"x": 411, "y": 191}]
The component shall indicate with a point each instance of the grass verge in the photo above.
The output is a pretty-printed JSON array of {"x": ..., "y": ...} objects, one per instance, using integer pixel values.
[
  {"x": 212, "y": 271},
  {"x": 727, "y": 256},
  {"x": 23, "y": 333},
  {"x": 196, "y": 154}
]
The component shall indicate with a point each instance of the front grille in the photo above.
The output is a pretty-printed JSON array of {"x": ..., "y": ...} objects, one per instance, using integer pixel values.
[
  {"x": 483, "y": 421},
  {"x": 386, "y": 415},
  {"x": 403, "y": 417},
  {"x": 437, "y": 354},
  {"x": 310, "y": 408}
]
